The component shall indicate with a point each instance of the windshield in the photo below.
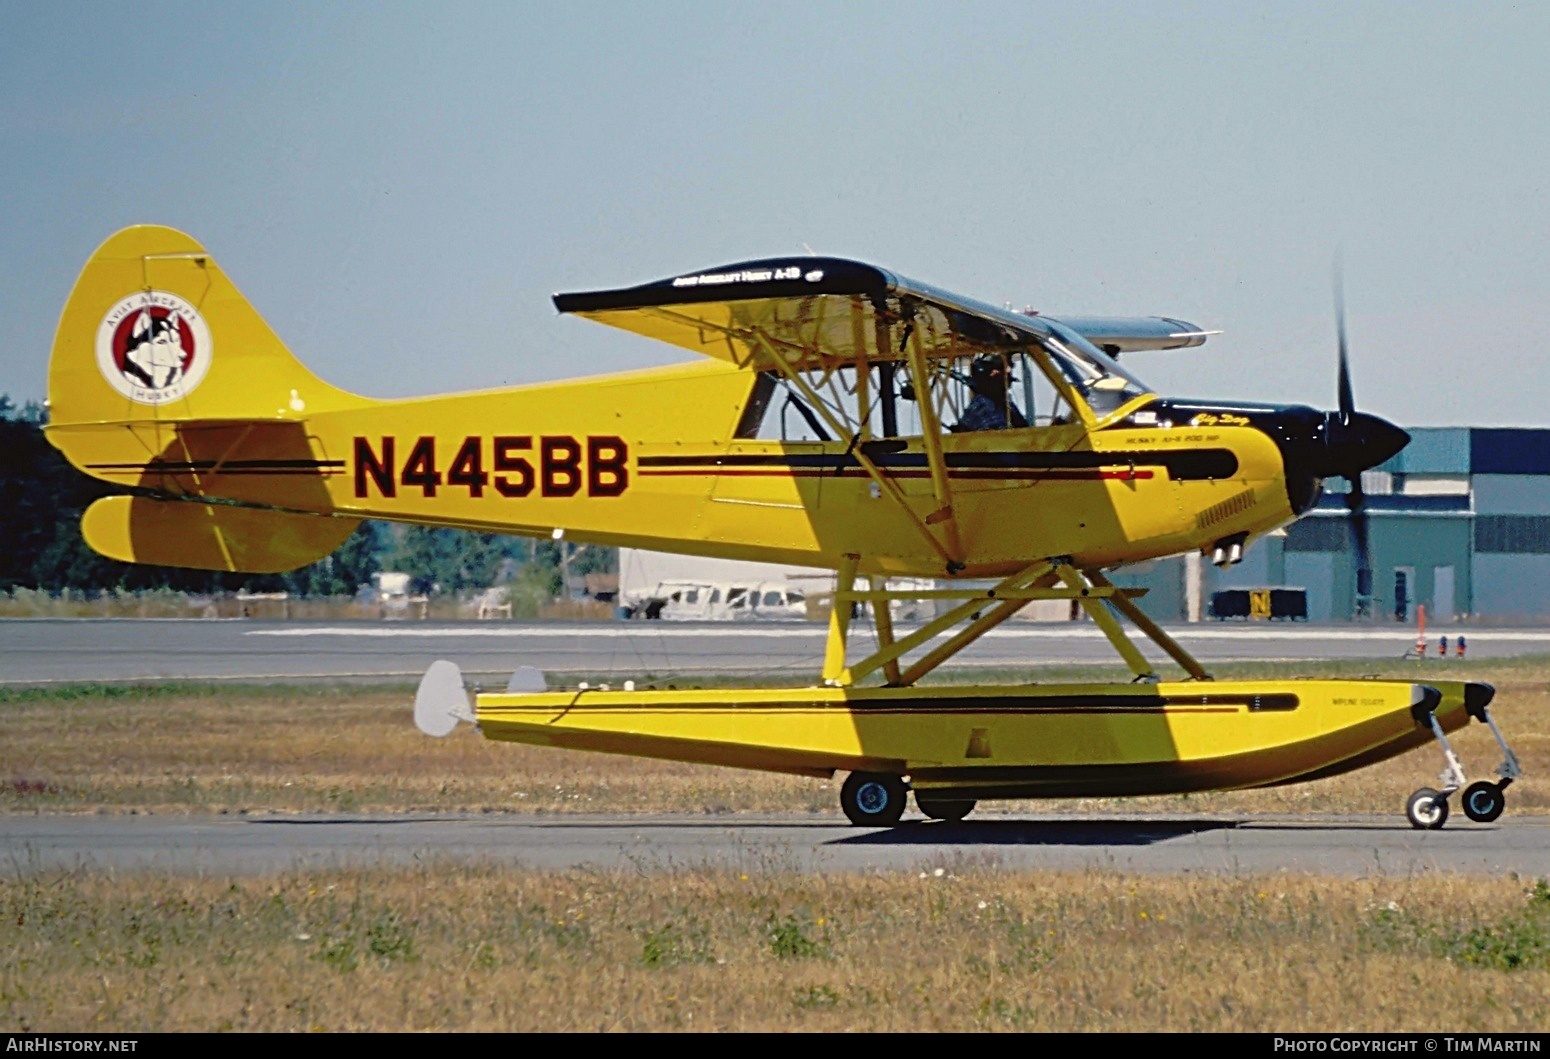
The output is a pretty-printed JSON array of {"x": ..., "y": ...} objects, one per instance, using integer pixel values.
[{"x": 1097, "y": 376}]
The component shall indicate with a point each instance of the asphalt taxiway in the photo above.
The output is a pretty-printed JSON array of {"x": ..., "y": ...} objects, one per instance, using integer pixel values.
[
  {"x": 58, "y": 651},
  {"x": 258, "y": 845}
]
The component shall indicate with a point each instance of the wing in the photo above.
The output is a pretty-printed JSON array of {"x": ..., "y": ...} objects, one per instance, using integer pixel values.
[
  {"x": 825, "y": 312},
  {"x": 814, "y": 312}
]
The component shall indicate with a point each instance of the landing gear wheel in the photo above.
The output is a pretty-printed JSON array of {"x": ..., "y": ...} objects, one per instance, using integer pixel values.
[
  {"x": 1427, "y": 809},
  {"x": 873, "y": 799},
  {"x": 1483, "y": 801},
  {"x": 949, "y": 809}
]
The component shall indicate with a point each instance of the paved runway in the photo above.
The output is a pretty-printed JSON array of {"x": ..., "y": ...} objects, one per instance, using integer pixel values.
[
  {"x": 1353, "y": 847},
  {"x": 45, "y": 651}
]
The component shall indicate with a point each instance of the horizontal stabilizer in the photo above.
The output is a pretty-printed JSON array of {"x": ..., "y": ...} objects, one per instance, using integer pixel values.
[{"x": 137, "y": 529}]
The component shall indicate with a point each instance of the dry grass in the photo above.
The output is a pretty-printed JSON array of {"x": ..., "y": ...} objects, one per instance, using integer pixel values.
[
  {"x": 485, "y": 949},
  {"x": 236, "y": 749},
  {"x": 457, "y": 947}
]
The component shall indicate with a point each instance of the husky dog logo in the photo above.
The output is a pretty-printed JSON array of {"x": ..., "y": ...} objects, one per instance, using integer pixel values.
[{"x": 153, "y": 347}]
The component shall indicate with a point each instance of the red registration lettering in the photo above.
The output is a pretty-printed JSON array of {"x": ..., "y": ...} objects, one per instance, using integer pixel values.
[
  {"x": 559, "y": 472},
  {"x": 607, "y": 470},
  {"x": 522, "y": 484},
  {"x": 561, "y": 465},
  {"x": 367, "y": 465},
  {"x": 420, "y": 467},
  {"x": 468, "y": 467}
]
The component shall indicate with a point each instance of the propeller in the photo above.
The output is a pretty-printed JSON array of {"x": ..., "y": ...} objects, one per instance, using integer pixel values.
[
  {"x": 1355, "y": 499},
  {"x": 1356, "y": 441}
]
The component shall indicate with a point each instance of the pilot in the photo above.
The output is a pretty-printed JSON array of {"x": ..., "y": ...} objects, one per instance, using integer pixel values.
[{"x": 991, "y": 408}]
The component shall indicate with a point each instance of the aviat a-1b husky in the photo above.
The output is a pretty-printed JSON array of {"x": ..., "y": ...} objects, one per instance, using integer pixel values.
[{"x": 840, "y": 416}]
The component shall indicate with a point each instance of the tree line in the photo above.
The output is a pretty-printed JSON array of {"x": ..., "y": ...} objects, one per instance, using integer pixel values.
[{"x": 42, "y": 498}]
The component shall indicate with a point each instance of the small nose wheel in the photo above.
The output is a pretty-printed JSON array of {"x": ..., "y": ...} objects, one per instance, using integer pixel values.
[
  {"x": 873, "y": 799},
  {"x": 1427, "y": 809},
  {"x": 1483, "y": 801}
]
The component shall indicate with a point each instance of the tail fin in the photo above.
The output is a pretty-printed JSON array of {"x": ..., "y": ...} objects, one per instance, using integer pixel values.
[
  {"x": 161, "y": 371},
  {"x": 155, "y": 332}
]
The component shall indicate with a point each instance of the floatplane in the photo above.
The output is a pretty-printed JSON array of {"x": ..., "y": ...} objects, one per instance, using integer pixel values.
[{"x": 837, "y": 415}]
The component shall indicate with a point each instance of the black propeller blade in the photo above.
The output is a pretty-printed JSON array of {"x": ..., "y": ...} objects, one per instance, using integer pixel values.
[
  {"x": 1347, "y": 402},
  {"x": 1357, "y": 441},
  {"x": 1356, "y": 503}
]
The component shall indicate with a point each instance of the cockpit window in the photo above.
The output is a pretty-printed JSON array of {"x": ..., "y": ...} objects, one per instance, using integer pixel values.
[{"x": 1097, "y": 376}]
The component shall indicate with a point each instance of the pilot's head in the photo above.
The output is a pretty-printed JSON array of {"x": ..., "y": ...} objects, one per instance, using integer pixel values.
[{"x": 988, "y": 374}]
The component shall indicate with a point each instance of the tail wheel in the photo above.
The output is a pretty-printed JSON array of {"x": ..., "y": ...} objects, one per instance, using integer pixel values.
[
  {"x": 950, "y": 809},
  {"x": 873, "y": 799},
  {"x": 1427, "y": 809},
  {"x": 1483, "y": 801}
]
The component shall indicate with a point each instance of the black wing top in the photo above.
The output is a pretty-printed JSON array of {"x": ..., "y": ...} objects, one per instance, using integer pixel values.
[{"x": 824, "y": 312}]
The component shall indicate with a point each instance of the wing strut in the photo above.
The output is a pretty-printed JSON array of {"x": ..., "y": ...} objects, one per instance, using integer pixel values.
[
  {"x": 953, "y": 559},
  {"x": 931, "y": 437}
]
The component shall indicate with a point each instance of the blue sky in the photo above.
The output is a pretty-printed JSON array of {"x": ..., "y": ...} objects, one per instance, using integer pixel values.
[{"x": 399, "y": 188}]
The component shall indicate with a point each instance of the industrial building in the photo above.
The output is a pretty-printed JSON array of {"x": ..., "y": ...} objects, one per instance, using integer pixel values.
[{"x": 1459, "y": 522}]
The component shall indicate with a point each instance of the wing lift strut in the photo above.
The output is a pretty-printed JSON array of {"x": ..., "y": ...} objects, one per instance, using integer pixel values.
[{"x": 950, "y": 550}]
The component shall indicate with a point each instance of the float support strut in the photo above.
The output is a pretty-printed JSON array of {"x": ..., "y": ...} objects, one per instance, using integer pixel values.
[
  {"x": 1100, "y": 615},
  {"x": 834, "y": 671},
  {"x": 882, "y": 615},
  {"x": 1153, "y": 631}
]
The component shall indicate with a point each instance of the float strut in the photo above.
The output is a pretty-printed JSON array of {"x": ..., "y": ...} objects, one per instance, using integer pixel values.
[
  {"x": 1107, "y": 622},
  {"x": 834, "y": 671},
  {"x": 1150, "y": 628}
]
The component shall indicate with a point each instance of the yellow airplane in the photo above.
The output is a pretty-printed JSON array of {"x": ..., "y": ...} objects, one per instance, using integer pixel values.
[{"x": 840, "y": 416}]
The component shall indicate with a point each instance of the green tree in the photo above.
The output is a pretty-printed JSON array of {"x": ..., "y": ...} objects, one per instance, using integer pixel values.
[{"x": 448, "y": 561}]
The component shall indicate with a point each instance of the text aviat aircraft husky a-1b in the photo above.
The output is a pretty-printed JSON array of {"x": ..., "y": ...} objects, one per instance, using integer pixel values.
[{"x": 839, "y": 416}]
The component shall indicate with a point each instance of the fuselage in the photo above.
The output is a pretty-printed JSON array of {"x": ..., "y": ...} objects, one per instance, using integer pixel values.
[
  {"x": 651, "y": 459},
  {"x": 681, "y": 458}
]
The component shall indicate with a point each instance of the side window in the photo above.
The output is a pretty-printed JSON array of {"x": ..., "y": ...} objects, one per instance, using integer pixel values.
[
  {"x": 1028, "y": 394},
  {"x": 778, "y": 411}
]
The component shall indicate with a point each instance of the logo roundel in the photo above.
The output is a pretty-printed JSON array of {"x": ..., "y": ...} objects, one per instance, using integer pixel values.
[{"x": 153, "y": 347}]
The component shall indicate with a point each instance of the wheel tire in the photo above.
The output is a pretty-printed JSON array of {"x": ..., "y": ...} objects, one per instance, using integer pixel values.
[
  {"x": 873, "y": 799},
  {"x": 1483, "y": 801},
  {"x": 949, "y": 809},
  {"x": 1427, "y": 809}
]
